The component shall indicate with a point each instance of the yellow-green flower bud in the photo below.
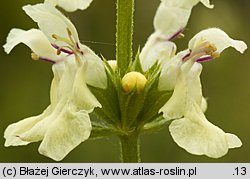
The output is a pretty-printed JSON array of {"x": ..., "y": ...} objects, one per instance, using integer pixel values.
[{"x": 133, "y": 80}]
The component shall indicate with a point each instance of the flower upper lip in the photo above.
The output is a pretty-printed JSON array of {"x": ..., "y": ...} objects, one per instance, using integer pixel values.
[
  {"x": 172, "y": 16},
  {"x": 59, "y": 25}
]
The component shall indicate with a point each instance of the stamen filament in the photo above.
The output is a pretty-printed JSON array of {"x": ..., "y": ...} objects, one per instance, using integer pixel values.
[
  {"x": 205, "y": 51},
  {"x": 36, "y": 57},
  {"x": 73, "y": 45},
  {"x": 186, "y": 56},
  {"x": 62, "y": 49},
  {"x": 196, "y": 55},
  {"x": 67, "y": 41},
  {"x": 178, "y": 34},
  {"x": 204, "y": 59},
  {"x": 70, "y": 37}
]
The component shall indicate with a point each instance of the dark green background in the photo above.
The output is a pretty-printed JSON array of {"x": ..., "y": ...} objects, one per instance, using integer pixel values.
[{"x": 24, "y": 83}]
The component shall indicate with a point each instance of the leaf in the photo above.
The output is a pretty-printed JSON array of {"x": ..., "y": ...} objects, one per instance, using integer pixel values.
[
  {"x": 137, "y": 63},
  {"x": 154, "y": 100},
  {"x": 108, "y": 67},
  {"x": 155, "y": 125},
  {"x": 100, "y": 130},
  {"x": 131, "y": 105},
  {"x": 109, "y": 101}
]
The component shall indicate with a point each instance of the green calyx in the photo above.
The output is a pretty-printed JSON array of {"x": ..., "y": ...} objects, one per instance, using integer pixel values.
[{"x": 122, "y": 112}]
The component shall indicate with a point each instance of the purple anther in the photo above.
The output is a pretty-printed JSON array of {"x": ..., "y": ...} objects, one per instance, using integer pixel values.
[
  {"x": 176, "y": 34},
  {"x": 47, "y": 60},
  {"x": 204, "y": 59},
  {"x": 62, "y": 49}
]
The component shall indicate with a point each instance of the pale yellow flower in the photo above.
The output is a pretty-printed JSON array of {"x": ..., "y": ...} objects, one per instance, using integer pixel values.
[
  {"x": 65, "y": 123},
  {"x": 181, "y": 72}
]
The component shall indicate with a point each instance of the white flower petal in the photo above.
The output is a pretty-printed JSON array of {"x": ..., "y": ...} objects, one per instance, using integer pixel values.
[
  {"x": 68, "y": 123},
  {"x": 175, "y": 106},
  {"x": 95, "y": 74},
  {"x": 34, "y": 39},
  {"x": 51, "y": 21},
  {"x": 61, "y": 90},
  {"x": 13, "y": 131},
  {"x": 58, "y": 70},
  {"x": 204, "y": 104},
  {"x": 198, "y": 136},
  {"x": 168, "y": 77},
  {"x": 188, "y": 87},
  {"x": 192, "y": 72},
  {"x": 233, "y": 141},
  {"x": 65, "y": 124},
  {"x": 156, "y": 49},
  {"x": 71, "y": 5},
  {"x": 217, "y": 37},
  {"x": 65, "y": 86},
  {"x": 170, "y": 70},
  {"x": 207, "y": 3},
  {"x": 169, "y": 20},
  {"x": 81, "y": 96},
  {"x": 38, "y": 131},
  {"x": 172, "y": 15},
  {"x": 186, "y": 3},
  {"x": 33, "y": 129},
  {"x": 65, "y": 133},
  {"x": 199, "y": 139}
]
